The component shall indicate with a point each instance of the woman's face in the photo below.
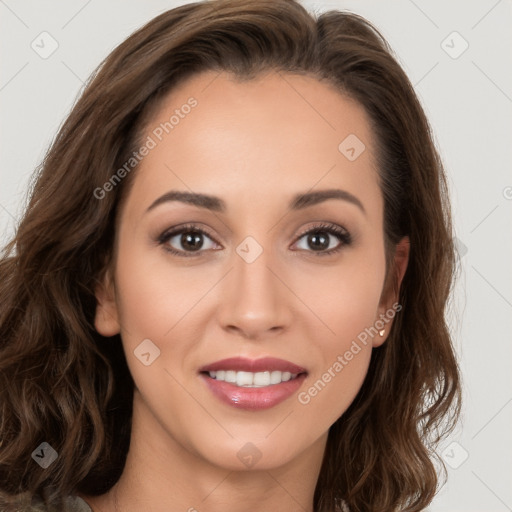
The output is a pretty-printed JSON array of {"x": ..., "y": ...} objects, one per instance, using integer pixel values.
[{"x": 279, "y": 270}]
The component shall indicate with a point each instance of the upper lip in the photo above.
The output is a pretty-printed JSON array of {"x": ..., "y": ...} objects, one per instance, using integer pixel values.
[{"x": 253, "y": 365}]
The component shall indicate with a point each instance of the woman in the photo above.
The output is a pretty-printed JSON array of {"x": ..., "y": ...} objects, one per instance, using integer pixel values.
[{"x": 230, "y": 282}]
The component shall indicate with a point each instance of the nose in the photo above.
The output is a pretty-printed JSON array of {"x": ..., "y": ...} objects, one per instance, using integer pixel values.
[{"x": 255, "y": 304}]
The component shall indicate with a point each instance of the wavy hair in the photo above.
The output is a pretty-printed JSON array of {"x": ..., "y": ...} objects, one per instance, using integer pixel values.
[{"x": 63, "y": 383}]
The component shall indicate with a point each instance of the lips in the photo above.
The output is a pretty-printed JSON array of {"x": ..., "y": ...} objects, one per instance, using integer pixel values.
[
  {"x": 265, "y": 364},
  {"x": 255, "y": 397}
]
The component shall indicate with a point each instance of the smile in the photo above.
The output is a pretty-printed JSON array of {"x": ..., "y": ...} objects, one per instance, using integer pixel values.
[
  {"x": 253, "y": 384},
  {"x": 253, "y": 380}
]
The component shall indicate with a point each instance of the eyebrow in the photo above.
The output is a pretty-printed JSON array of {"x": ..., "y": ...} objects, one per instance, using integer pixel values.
[{"x": 216, "y": 204}]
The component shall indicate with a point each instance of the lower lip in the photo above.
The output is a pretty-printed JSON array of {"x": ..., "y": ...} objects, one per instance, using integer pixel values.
[{"x": 254, "y": 399}]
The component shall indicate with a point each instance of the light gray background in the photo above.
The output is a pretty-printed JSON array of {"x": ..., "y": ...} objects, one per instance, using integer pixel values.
[{"x": 469, "y": 102}]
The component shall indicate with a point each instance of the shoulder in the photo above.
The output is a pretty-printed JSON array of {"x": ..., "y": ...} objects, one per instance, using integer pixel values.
[
  {"x": 76, "y": 504},
  {"x": 71, "y": 504}
]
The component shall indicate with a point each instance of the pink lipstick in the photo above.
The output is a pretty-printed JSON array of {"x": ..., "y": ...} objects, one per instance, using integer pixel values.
[{"x": 253, "y": 384}]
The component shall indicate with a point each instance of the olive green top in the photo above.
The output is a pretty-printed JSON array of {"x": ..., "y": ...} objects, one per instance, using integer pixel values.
[{"x": 72, "y": 504}]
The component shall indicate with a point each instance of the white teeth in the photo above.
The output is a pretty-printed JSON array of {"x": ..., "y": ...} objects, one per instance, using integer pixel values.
[
  {"x": 230, "y": 376},
  {"x": 261, "y": 379},
  {"x": 275, "y": 377},
  {"x": 244, "y": 379},
  {"x": 252, "y": 380}
]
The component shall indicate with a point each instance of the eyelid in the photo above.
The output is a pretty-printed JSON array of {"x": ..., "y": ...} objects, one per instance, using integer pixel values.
[
  {"x": 340, "y": 232},
  {"x": 328, "y": 226},
  {"x": 183, "y": 228},
  {"x": 343, "y": 235},
  {"x": 176, "y": 230}
]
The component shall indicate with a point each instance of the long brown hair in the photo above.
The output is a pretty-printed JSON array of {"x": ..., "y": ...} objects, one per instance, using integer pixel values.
[{"x": 62, "y": 383}]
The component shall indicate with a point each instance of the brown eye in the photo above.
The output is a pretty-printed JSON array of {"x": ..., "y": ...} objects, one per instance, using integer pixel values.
[
  {"x": 187, "y": 240},
  {"x": 191, "y": 240},
  {"x": 324, "y": 239},
  {"x": 318, "y": 240}
]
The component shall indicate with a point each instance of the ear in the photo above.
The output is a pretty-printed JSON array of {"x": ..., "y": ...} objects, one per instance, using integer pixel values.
[
  {"x": 106, "y": 319},
  {"x": 391, "y": 290}
]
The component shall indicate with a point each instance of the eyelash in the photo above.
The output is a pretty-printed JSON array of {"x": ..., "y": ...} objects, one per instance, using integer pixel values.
[{"x": 342, "y": 234}]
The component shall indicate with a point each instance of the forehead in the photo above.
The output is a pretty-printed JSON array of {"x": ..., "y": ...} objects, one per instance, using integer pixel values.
[{"x": 277, "y": 134}]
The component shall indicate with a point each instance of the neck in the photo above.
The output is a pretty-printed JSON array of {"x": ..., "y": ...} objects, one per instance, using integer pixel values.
[{"x": 161, "y": 474}]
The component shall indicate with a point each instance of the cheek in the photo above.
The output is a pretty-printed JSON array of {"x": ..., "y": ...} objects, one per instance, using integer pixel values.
[
  {"x": 355, "y": 300},
  {"x": 346, "y": 300},
  {"x": 152, "y": 294},
  {"x": 154, "y": 300},
  {"x": 344, "y": 297},
  {"x": 341, "y": 367}
]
